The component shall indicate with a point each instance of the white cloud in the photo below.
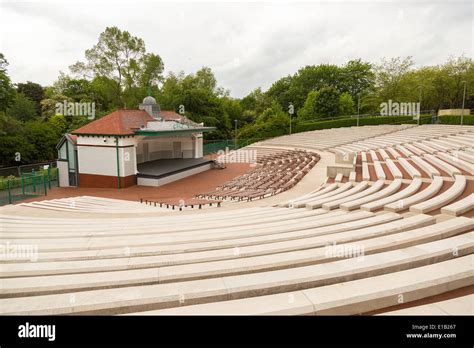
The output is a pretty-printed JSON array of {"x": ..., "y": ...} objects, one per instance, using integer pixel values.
[{"x": 246, "y": 44}]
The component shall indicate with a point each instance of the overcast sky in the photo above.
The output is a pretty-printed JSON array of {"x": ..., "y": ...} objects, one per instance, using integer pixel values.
[{"x": 246, "y": 44}]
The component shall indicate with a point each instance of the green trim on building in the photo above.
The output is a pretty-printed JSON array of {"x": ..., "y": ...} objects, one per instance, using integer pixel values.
[{"x": 165, "y": 133}]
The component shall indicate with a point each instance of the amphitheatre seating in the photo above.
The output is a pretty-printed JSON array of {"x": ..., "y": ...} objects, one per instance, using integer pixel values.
[
  {"x": 387, "y": 191},
  {"x": 444, "y": 198},
  {"x": 427, "y": 167},
  {"x": 338, "y": 177},
  {"x": 353, "y": 190},
  {"x": 321, "y": 191},
  {"x": 396, "y": 173},
  {"x": 365, "y": 171},
  {"x": 339, "y": 248},
  {"x": 343, "y": 188},
  {"x": 162, "y": 295},
  {"x": 455, "y": 306},
  {"x": 451, "y": 170},
  {"x": 379, "y": 170},
  {"x": 372, "y": 189},
  {"x": 412, "y": 171},
  {"x": 457, "y": 162},
  {"x": 349, "y": 298},
  {"x": 404, "y": 151},
  {"x": 362, "y": 226},
  {"x": 464, "y": 156},
  {"x": 421, "y": 196},
  {"x": 417, "y": 151},
  {"x": 89, "y": 204},
  {"x": 352, "y": 176},
  {"x": 459, "y": 207},
  {"x": 276, "y": 173},
  {"x": 407, "y": 192}
]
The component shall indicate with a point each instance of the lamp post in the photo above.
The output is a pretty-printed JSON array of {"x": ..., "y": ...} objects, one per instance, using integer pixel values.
[
  {"x": 291, "y": 111},
  {"x": 235, "y": 134},
  {"x": 463, "y": 99},
  {"x": 419, "y": 114},
  {"x": 358, "y": 109}
]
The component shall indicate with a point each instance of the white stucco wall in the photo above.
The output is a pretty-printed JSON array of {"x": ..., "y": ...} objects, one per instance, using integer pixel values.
[
  {"x": 98, "y": 155},
  {"x": 63, "y": 173}
]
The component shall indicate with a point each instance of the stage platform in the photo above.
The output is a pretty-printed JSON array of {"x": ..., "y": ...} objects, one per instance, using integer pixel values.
[{"x": 164, "y": 171}]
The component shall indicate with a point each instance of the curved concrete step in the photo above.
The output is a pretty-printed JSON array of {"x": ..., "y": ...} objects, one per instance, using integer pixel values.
[
  {"x": 150, "y": 297},
  {"x": 354, "y": 297},
  {"x": 443, "y": 199},
  {"x": 319, "y": 202},
  {"x": 381, "y": 225},
  {"x": 100, "y": 243},
  {"x": 407, "y": 192},
  {"x": 460, "y": 207},
  {"x": 442, "y": 165},
  {"x": 372, "y": 189},
  {"x": 74, "y": 282},
  {"x": 232, "y": 246},
  {"x": 396, "y": 173},
  {"x": 412, "y": 171},
  {"x": 456, "y": 306},
  {"x": 427, "y": 167},
  {"x": 342, "y": 188},
  {"x": 326, "y": 189},
  {"x": 421, "y": 196},
  {"x": 379, "y": 172},
  {"x": 387, "y": 191},
  {"x": 457, "y": 162}
]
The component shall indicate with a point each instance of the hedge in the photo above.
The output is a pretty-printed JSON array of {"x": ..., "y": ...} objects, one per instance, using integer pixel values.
[
  {"x": 468, "y": 120},
  {"x": 366, "y": 121}
]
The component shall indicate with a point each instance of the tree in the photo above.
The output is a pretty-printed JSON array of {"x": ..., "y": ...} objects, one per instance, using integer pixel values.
[
  {"x": 326, "y": 103},
  {"x": 32, "y": 91},
  {"x": 307, "y": 111},
  {"x": 7, "y": 92},
  {"x": 122, "y": 58},
  {"x": 22, "y": 108},
  {"x": 58, "y": 124},
  {"x": 356, "y": 77},
  {"x": 346, "y": 104}
]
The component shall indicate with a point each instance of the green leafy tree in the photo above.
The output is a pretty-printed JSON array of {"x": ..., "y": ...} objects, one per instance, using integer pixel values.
[
  {"x": 307, "y": 111},
  {"x": 326, "y": 103},
  {"x": 7, "y": 91},
  {"x": 22, "y": 109},
  {"x": 32, "y": 91},
  {"x": 346, "y": 104},
  {"x": 122, "y": 58}
]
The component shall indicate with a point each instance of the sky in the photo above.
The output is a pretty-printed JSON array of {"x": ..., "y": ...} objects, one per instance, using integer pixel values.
[{"x": 246, "y": 44}]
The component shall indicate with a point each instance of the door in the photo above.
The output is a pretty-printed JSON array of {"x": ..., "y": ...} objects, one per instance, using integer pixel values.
[
  {"x": 146, "y": 154},
  {"x": 177, "y": 149}
]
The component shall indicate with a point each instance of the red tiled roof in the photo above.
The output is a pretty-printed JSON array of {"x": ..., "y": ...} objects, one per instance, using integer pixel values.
[{"x": 119, "y": 122}]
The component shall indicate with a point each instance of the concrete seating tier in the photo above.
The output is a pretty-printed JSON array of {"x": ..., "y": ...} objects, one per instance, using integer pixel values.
[
  {"x": 459, "y": 207},
  {"x": 443, "y": 199},
  {"x": 457, "y": 306},
  {"x": 354, "y": 297},
  {"x": 387, "y": 191},
  {"x": 275, "y": 174},
  {"x": 340, "y": 247},
  {"x": 164, "y": 295}
]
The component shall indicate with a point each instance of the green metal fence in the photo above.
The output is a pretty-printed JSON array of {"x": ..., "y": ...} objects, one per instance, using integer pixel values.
[
  {"x": 35, "y": 181},
  {"x": 213, "y": 146}
]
